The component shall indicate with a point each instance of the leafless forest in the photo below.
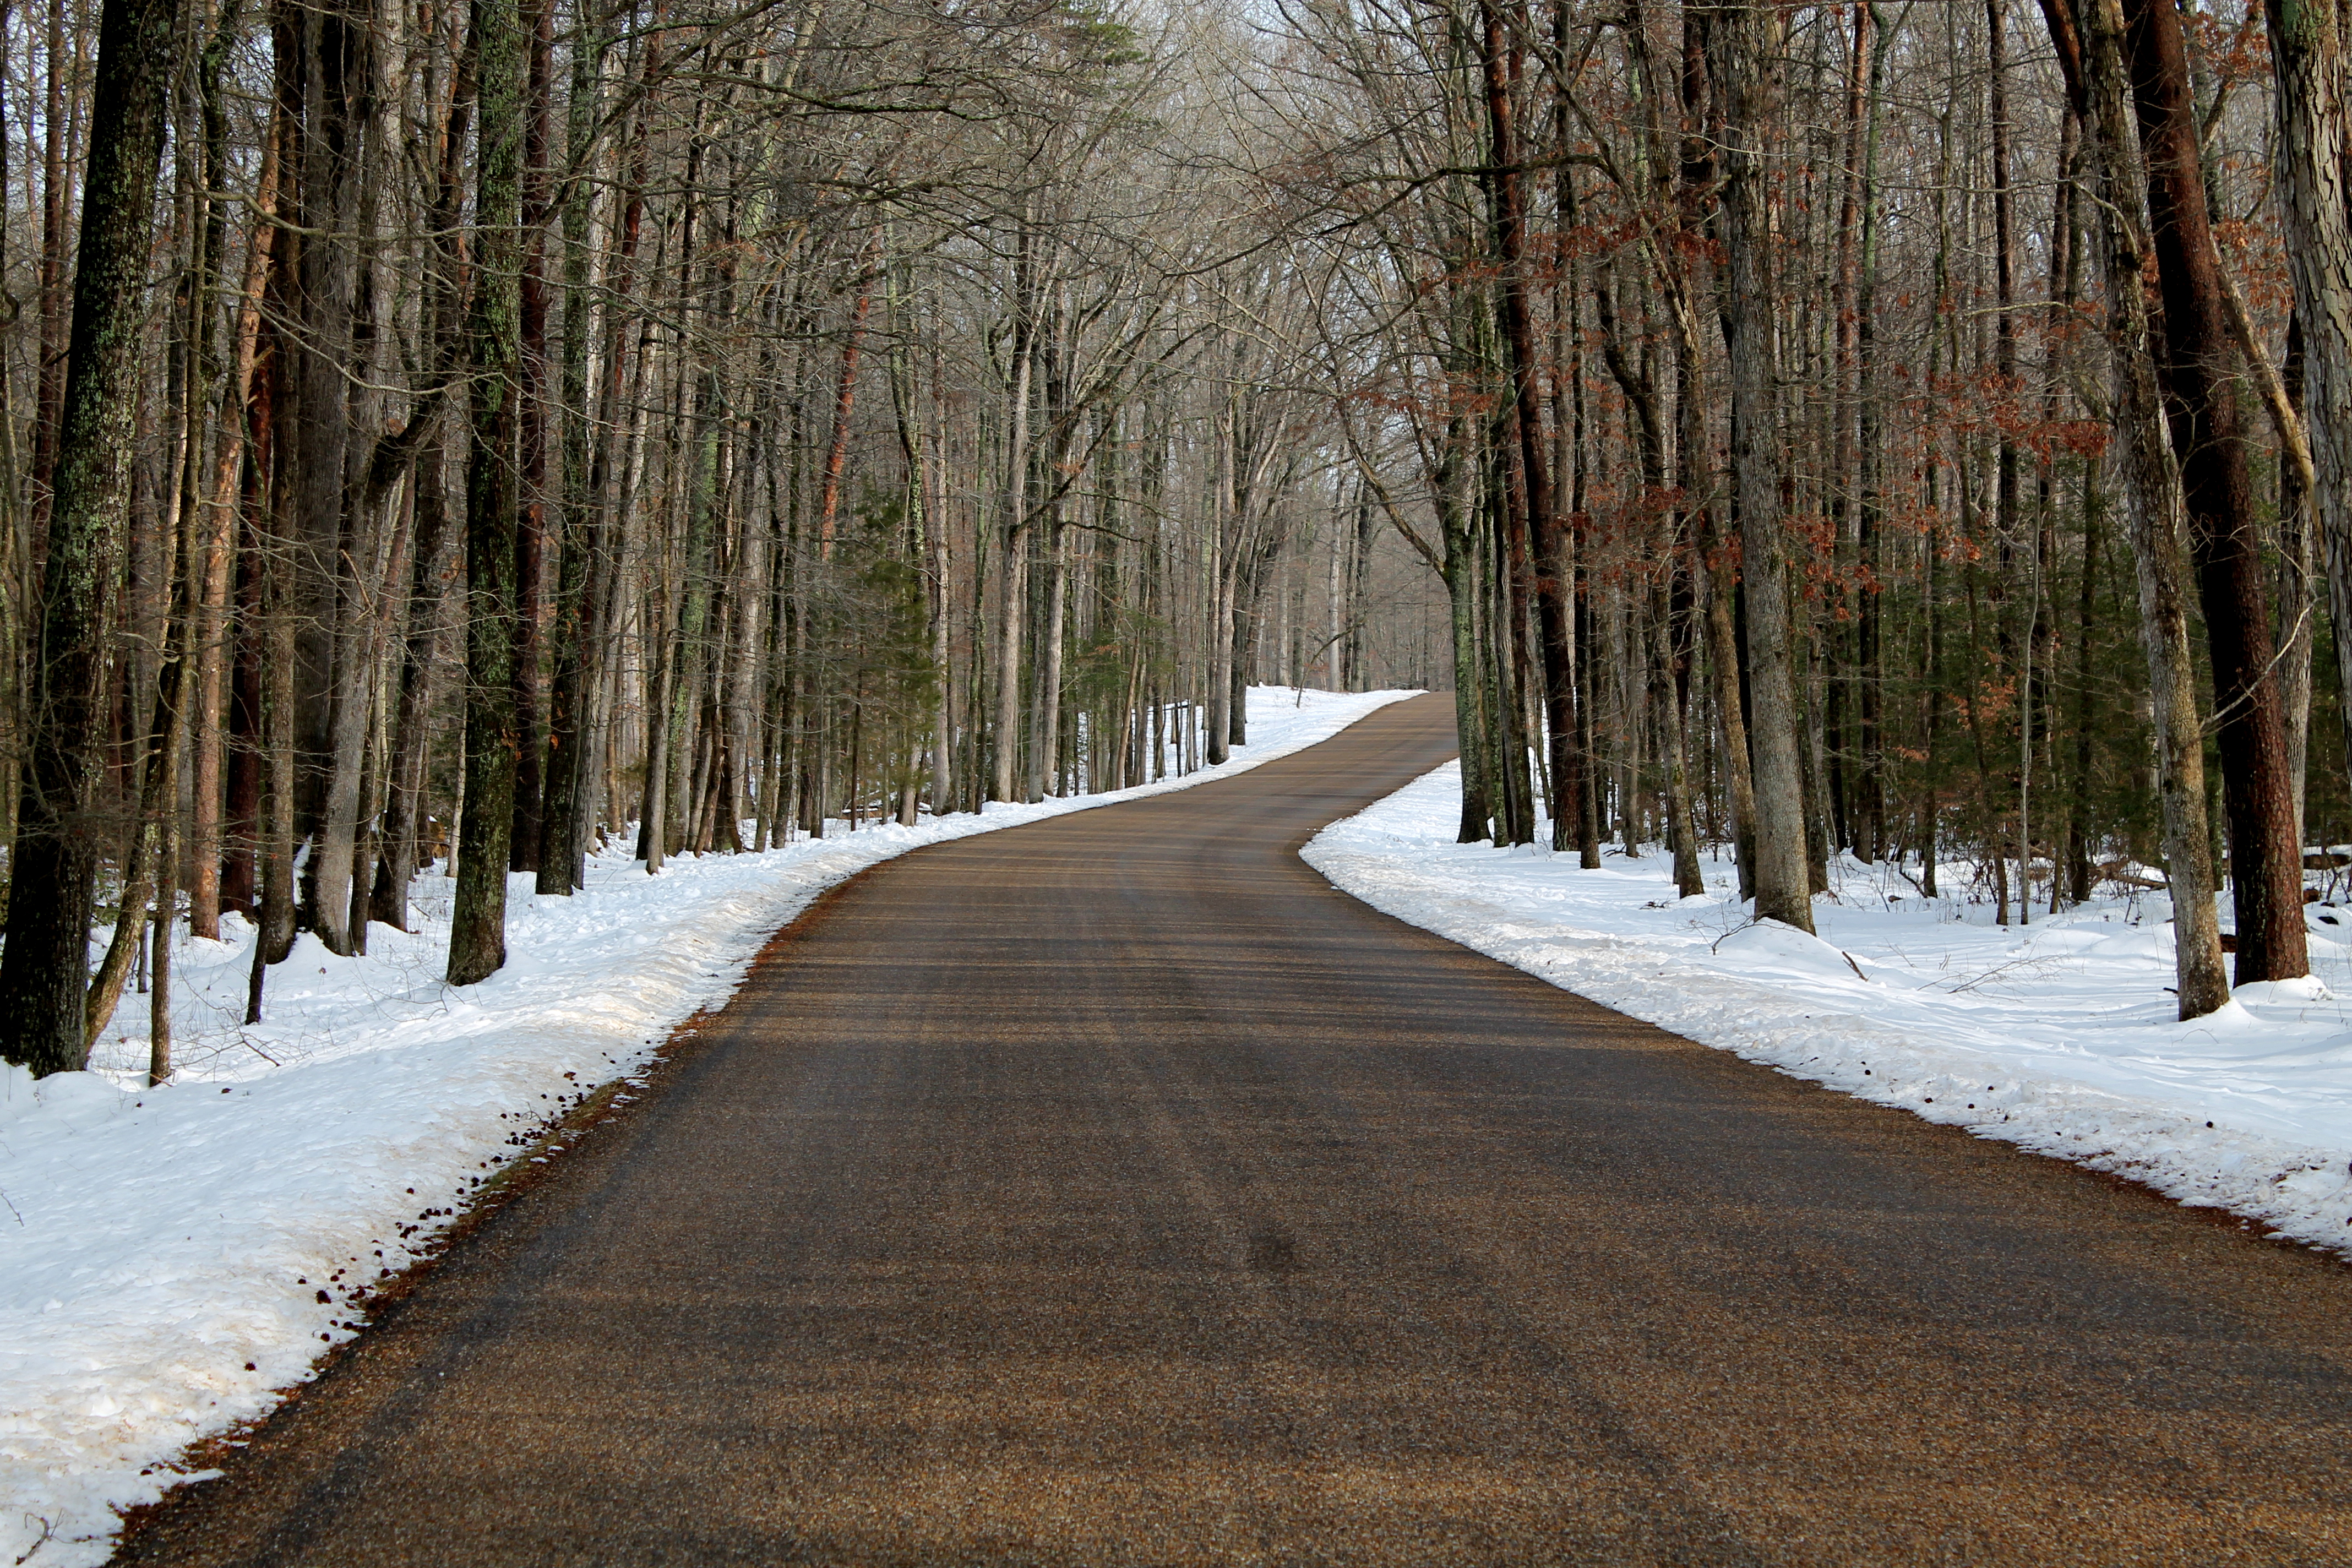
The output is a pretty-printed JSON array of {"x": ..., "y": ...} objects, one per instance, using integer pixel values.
[{"x": 485, "y": 430}]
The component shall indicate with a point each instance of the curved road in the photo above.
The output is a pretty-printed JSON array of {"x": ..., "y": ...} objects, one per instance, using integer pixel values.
[{"x": 1112, "y": 1190}]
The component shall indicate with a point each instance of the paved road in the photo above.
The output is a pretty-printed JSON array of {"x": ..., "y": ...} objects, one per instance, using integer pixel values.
[{"x": 1112, "y": 1190}]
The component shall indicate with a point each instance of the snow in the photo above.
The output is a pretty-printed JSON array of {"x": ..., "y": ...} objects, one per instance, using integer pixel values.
[
  {"x": 171, "y": 1261},
  {"x": 2060, "y": 1036}
]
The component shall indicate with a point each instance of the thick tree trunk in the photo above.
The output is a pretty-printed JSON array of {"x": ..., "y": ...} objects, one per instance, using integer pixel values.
[
  {"x": 334, "y": 69},
  {"x": 215, "y": 524},
  {"x": 44, "y": 965},
  {"x": 1536, "y": 495},
  {"x": 477, "y": 945},
  {"x": 1694, "y": 461},
  {"x": 2311, "y": 54},
  {"x": 435, "y": 607},
  {"x": 579, "y": 630},
  {"x": 2199, "y": 367},
  {"x": 268, "y": 275},
  {"x": 533, "y": 417},
  {"x": 270, "y": 553},
  {"x": 2089, "y": 45},
  {"x": 1745, "y": 44}
]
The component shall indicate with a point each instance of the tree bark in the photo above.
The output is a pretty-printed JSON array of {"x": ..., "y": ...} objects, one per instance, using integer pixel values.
[
  {"x": 2311, "y": 55},
  {"x": 437, "y": 550},
  {"x": 580, "y": 633},
  {"x": 1745, "y": 44},
  {"x": 2198, "y": 366},
  {"x": 2089, "y": 44},
  {"x": 217, "y": 502},
  {"x": 478, "y": 947},
  {"x": 334, "y": 67},
  {"x": 532, "y": 419},
  {"x": 1013, "y": 569},
  {"x": 438, "y": 556},
  {"x": 44, "y": 965},
  {"x": 1537, "y": 496},
  {"x": 1224, "y": 547}
]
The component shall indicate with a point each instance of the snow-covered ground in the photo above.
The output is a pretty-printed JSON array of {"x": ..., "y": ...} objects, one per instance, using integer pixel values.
[
  {"x": 2059, "y": 1037},
  {"x": 171, "y": 1260}
]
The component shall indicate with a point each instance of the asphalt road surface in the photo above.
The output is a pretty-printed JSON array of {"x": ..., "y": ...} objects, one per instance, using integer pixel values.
[{"x": 1113, "y": 1191}]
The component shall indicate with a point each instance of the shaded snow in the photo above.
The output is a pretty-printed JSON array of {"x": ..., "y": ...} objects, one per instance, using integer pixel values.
[
  {"x": 2060, "y": 1036},
  {"x": 163, "y": 1253}
]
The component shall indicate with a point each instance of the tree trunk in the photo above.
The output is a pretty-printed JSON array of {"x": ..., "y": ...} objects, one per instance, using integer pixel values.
[
  {"x": 334, "y": 68},
  {"x": 274, "y": 939},
  {"x": 45, "y": 965},
  {"x": 1541, "y": 515},
  {"x": 1746, "y": 46},
  {"x": 1224, "y": 548},
  {"x": 579, "y": 630},
  {"x": 2311, "y": 54},
  {"x": 2198, "y": 366},
  {"x": 1669, "y": 664},
  {"x": 532, "y": 419},
  {"x": 149, "y": 869},
  {"x": 215, "y": 526},
  {"x": 1048, "y": 728},
  {"x": 2297, "y": 600},
  {"x": 439, "y": 556},
  {"x": 1013, "y": 617},
  {"x": 1462, "y": 590},
  {"x": 478, "y": 947},
  {"x": 2089, "y": 45}
]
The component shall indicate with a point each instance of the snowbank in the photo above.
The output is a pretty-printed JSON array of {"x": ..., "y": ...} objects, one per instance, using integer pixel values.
[
  {"x": 2059, "y": 1037},
  {"x": 170, "y": 1260}
]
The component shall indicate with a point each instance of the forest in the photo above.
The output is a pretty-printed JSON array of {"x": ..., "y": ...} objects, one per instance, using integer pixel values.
[{"x": 477, "y": 434}]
